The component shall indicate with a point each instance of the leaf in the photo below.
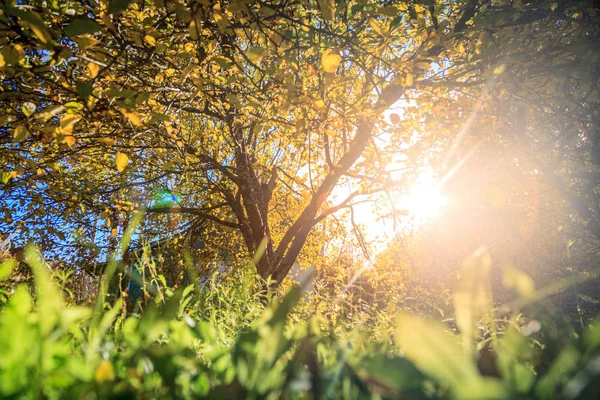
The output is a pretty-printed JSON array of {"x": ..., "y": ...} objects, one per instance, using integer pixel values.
[
  {"x": 330, "y": 60},
  {"x": 28, "y": 108},
  {"x": 518, "y": 280},
  {"x": 82, "y": 26},
  {"x": 320, "y": 105},
  {"x": 74, "y": 105},
  {"x": 389, "y": 11},
  {"x": 150, "y": 40},
  {"x": 107, "y": 141},
  {"x": 256, "y": 54},
  {"x": 37, "y": 26},
  {"x": 472, "y": 298},
  {"x": 85, "y": 41},
  {"x": 499, "y": 69},
  {"x": 49, "y": 297},
  {"x": 133, "y": 117},
  {"x": 121, "y": 161},
  {"x": 409, "y": 80},
  {"x": 84, "y": 90},
  {"x": 395, "y": 118},
  {"x": 327, "y": 9},
  {"x": 6, "y": 267},
  {"x": 105, "y": 372},
  {"x": 67, "y": 122},
  {"x": 377, "y": 26},
  {"x": 193, "y": 29},
  {"x": 116, "y": 6},
  {"x": 92, "y": 69},
  {"x": 20, "y": 134},
  {"x": 12, "y": 54},
  {"x": 433, "y": 351},
  {"x": 70, "y": 140},
  {"x": 398, "y": 373}
]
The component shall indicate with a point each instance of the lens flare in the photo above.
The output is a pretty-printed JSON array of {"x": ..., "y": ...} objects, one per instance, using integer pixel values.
[{"x": 425, "y": 202}]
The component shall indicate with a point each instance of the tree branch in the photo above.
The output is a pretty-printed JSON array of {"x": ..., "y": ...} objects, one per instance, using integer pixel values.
[{"x": 191, "y": 211}]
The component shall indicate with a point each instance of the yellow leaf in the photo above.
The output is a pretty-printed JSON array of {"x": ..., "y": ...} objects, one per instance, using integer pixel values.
[
  {"x": 133, "y": 117},
  {"x": 220, "y": 18},
  {"x": 67, "y": 122},
  {"x": 105, "y": 372},
  {"x": 193, "y": 30},
  {"x": 423, "y": 64},
  {"x": 114, "y": 232},
  {"x": 319, "y": 104},
  {"x": 330, "y": 60},
  {"x": 92, "y": 69},
  {"x": 377, "y": 26},
  {"x": 107, "y": 141},
  {"x": 409, "y": 80},
  {"x": 499, "y": 69},
  {"x": 150, "y": 40},
  {"x": 121, "y": 161},
  {"x": 70, "y": 140}
]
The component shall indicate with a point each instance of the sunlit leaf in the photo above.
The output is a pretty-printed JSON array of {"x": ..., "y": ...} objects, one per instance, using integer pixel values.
[
  {"x": 121, "y": 161},
  {"x": 150, "y": 40},
  {"x": 6, "y": 268},
  {"x": 92, "y": 69},
  {"x": 330, "y": 60},
  {"x": 472, "y": 299}
]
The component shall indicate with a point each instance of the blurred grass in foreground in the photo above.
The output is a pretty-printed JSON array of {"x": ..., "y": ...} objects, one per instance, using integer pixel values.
[{"x": 223, "y": 342}]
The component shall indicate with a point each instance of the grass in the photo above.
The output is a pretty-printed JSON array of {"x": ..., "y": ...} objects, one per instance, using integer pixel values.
[{"x": 224, "y": 342}]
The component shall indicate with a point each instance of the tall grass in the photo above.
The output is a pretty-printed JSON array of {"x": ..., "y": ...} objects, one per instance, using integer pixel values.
[{"x": 222, "y": 339}]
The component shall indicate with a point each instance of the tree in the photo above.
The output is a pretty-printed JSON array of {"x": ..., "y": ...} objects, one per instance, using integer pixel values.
[{"x": 252, "y": 113}]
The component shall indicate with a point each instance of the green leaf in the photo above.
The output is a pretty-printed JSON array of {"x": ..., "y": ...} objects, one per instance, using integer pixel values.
[
  {"x": 84, "y": 90},
  {"x": 82, "y": 26},
  {"x": 6, "y": 268},
  {"x": 397, "y": 373},
  {"x": 20, "y": 134},
  {"x": 435, "y": 352},
  {"x": 514, "y": 355},
  {"x": 50, "y": 300},
  {"x": 472, "y": 299},
  {"x": 518, "y": 280},
  {"x": 256, "y": 54},
  {"x": 74, "y": 105},
  {"x": 116, "y": 6}
]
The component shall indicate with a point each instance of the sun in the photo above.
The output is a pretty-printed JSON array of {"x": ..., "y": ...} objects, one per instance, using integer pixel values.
[{"x": 424, "y": 202}]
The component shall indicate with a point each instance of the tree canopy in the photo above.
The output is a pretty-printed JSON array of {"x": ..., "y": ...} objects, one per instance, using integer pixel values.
[{"x": 245, "y": 118}]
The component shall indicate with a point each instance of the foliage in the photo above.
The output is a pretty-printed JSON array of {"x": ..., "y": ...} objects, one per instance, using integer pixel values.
[
  {"x": 173, "y": 349},
  {"x": 255, "y": 114}
]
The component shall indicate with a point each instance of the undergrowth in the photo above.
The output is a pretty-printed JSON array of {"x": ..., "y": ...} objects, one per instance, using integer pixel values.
[{"x": 222, "y": 339}]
